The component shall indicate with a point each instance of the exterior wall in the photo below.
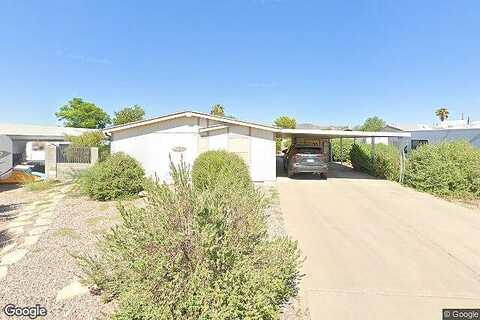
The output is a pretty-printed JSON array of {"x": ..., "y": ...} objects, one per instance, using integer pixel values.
[
  {"x": 65, "y": 171},
  {"x": 152, "y": 145},
  {"x": 437, "y": 136},
  {"x": 262, "y": 153},
  {"x": 218, "y": 140},
  {"x": 6, "y": 157}
]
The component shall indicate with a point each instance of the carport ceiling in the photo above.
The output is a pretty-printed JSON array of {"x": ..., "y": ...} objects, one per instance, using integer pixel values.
[{"x": 331, "y": 134}]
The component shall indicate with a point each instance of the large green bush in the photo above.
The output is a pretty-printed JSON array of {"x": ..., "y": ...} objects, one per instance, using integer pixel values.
[
  {"x": 213, "y": 166},
  {"x": 385, "y": 164},
  {"x": 195, "y": 253},
  {"x": 446, "y": 169},
  {"x": 118, "y": 176},
  {"x": 346, "y": 146}
]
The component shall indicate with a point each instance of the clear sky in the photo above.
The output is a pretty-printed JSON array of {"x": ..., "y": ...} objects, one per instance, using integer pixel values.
[{"x": 319, "y": 61}]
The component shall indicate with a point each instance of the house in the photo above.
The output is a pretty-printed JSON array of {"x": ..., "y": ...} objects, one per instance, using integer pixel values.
[
  {"x": 187, "y": 134},
  {"x": 184, "y": 135},
  {"x": 446, "y": 131},
  {"x": 21, "y": 143}
]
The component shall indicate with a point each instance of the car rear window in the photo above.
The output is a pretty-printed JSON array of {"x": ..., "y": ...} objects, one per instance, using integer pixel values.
[{"x": 308, "y": 150}]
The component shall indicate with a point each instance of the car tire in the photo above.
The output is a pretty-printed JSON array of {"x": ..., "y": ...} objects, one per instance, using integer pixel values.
[
  {"x": 323, "y": 176},
  {"x": 289, "y": 173}
]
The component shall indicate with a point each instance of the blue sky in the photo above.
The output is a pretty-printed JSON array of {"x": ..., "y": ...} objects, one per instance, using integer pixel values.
[{"x": 319, "y": 61}]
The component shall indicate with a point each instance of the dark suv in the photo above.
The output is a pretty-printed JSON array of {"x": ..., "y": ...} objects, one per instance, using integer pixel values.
[{"x": 308, "y": 159}]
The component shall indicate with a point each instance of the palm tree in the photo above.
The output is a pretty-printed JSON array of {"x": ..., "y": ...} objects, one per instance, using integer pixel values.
[
  {"x": 442, "y": 114},
  {"x": 217, "y": 110}
]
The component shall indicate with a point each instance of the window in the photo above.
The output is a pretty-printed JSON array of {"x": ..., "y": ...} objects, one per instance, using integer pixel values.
[{"x": 416, "y": 143}]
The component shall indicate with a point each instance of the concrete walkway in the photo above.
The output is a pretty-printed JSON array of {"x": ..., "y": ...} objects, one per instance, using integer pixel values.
[{"x": 377, "y": 250}]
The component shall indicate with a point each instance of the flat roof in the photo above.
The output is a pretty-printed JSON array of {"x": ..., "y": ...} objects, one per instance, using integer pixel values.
[
  {"x": 37, "y": 132},
  {"x": 343, "y": 133}
]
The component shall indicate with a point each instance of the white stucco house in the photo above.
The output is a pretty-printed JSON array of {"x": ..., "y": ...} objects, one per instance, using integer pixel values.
[
  {"x": 187, "y": 134},
  {"x": 446, "y": 131}
]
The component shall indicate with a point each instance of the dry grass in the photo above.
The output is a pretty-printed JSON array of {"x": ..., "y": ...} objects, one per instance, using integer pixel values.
[{"x": 38, "y": 186}]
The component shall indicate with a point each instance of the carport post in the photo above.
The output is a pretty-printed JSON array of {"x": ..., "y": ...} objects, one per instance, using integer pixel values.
[
  {"x": 341, "y": 150},
  {"x": 373, "y": 148}
]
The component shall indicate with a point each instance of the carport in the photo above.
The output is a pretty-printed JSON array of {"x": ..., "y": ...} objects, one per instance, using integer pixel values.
[{"x": 398, "y": 139}]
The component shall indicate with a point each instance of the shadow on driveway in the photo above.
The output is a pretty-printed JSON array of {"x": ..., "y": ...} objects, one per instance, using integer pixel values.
[{"x": 335, "y": 171}]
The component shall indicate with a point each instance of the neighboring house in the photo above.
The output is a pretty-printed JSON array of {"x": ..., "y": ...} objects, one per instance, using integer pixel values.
[
  {"x": 187, "y": 134},
  {"x": 27, "y": 143},
  {"x": 447, "y": 131}
]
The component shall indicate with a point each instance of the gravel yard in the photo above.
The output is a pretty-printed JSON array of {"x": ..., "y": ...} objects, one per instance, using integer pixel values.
[
  {"x": 47, "y": 274},
  {"x": 42, "y": 275},
  {"x": 297, "y": 308}
]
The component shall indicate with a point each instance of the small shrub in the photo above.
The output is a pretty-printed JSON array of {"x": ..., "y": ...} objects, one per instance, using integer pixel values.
[
  {"x": 386, "y": 164},
  {"x": 346, "y": 146},
  {"x": 195, "y": 253},
  {"x": 116, "y": 177},
  {"x": 445, "y": 169},
  {"x": 213, "y": 166},
  {"x": 41, "y": 185}
]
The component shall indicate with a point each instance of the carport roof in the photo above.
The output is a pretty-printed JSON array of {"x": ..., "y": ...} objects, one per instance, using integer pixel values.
[
  {"x": 341, "y": 133},
  {"x": 38, "y": 133}
]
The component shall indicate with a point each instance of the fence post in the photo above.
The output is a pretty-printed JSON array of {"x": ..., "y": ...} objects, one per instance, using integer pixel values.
[
  {"x": 93, "y": 155},
  {"x": 373, "y": 148},
  {"x": 51, "y": 161},
  {"x": 341, "y": 151}
]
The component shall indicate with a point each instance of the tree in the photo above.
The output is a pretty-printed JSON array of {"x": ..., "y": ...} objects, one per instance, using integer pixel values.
[
  {"x": 87, "y": 139},
  {"x": 442, "y": 114},
  {"x": 128, "y": 114},
  {"x": 218, "y": 110},
  {"x": 373, "y": 124},
  {"x": 82, "y": 114},
  {"x": 286, "y": 122}
]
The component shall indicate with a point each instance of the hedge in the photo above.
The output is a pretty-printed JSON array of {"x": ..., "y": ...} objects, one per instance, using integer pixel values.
[
  {"x": 449, "y": 169},
  {"x": 118, "y": 176},
  {"x": 193, "y": 253},
  {"x": 385, "y": 165},
  {"x": 346, "y": 146},
  {"x": 211, "y": 166}
]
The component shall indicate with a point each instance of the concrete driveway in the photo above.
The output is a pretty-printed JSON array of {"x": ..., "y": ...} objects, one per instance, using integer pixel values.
[{"x": 377, "y": 250}]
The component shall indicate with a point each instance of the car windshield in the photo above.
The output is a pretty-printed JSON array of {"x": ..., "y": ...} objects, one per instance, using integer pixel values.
[{"x": 308, "y": 150}]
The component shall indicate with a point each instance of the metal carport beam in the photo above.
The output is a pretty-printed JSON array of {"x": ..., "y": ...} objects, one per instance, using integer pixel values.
[{"x": 332, "y": 134}]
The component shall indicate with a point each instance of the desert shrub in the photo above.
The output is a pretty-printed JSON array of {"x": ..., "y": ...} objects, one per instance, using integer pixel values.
[
  {"x": 449, "y": 169},
  {"x": 118, "y": 176},
  {"x": 386, "y": 164},
  {"x": 213, "y": 166},
  {"x": 195, "y": 254},
  {"x": 346, "y": 146}
]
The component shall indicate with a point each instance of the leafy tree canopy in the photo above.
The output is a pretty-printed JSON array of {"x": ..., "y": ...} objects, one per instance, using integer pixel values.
[
  {"x": 373, "y": 124},
  {"x": 286, "y": 122},
  {"x": 128, "y": 114},
  {"x": 82, "y": 114},
  {"x": 87, "y": 139},
  {"x": 218, "y": 110}
]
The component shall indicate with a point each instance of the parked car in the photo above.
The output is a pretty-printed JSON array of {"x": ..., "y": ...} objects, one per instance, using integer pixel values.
[{"x": 305, "y": 159}]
